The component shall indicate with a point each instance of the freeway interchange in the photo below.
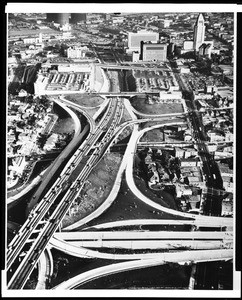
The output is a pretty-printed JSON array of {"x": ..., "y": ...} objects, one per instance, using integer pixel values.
[{"x": 40, "y": 226}]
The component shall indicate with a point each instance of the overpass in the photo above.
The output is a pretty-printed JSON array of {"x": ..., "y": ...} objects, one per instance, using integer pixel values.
[
  {"x": 121, "y": 94},
  {"x": 131, "y": 67},
  {"x": 153, "y": 222},
  {"x": 182, "y": 257},
  {"x": 149, "y": 239}
]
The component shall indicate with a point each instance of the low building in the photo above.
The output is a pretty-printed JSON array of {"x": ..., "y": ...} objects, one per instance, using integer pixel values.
[
  {"x": 183, "y": 190},
  {"x": 227, "y": 207},
  {"x": 77, "y": 52},
  {"x": 135, "y": 56},
  {"x": 190, "y": 162},
  {"x": 179, "y": 152}
]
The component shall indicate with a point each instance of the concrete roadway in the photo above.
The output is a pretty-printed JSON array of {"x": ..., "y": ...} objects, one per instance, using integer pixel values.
[
  {"x": 184, "y": 257},
  {"x": 132, "y": 67},
  {"x": 155, "y": 244},
  {"x": 140, "y": 222},
  {"x": 143, "y": 235}
]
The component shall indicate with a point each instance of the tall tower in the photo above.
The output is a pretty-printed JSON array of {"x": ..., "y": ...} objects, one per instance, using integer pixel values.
[{"x": 199, "y": 32}]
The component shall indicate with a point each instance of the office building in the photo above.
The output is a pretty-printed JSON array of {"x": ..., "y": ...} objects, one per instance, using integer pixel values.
[
  {"x": 199, "y": 32},
  {"x": 153, "y": 51},
  {"x": 134, "y": 39},
  {"x": 205, "y": 49},
  {"x": 170, "y": 49}
]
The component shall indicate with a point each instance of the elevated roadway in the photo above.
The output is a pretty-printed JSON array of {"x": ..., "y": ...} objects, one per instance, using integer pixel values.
[
  {"x": 141, "y": 235},
  {"x": 132, "y": 67},
  {"x": 183, "y": 257},
  {"x": 150, "y": 222},
  {"x": 149, "y": 239}
]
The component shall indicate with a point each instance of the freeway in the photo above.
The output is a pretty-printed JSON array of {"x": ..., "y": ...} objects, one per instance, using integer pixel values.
[{"x": 113, "y": 113}]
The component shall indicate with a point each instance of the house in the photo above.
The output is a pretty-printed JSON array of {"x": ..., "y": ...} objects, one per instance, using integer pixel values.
[
  {"x": 190, "y": 152},
  {"x": 193, "y": 200},
  {"x": 148, "y": 159},
  {"x": 179, "y": 152},
  {"x": 227, "y": 206},
  {"x": 183, "y": 190}
]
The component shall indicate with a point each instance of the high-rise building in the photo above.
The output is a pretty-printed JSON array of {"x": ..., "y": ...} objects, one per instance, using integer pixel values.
[
  {"x": 170, "y": 49},
  {"x": 205, "y": 49},
  {"x": 134, "y": 39},
  {"x": 153, "y": 51},
  {"x": 59, "y": 18},
  {"x": 199, "y": 32}
]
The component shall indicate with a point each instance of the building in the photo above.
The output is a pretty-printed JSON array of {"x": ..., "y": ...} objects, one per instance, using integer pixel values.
[
  {"x": 190, "y": 162},
  {"x": 117, "y": 19},
  {"x": 135, "y": 56},
  {"x": 167, "y": 23},
  {"x": 188, "y": 45},
  {"x": 201, "y": 49},
  {"x": 199, "y": 32},
  {"x": 135, "y": 38},
  {"x": 76, "y": 52},
  {"x": 170, "y": 49},
  {"x": 205, "y": 49},
  {"x": 151, "y": 51},
  {"x": 227, "y": 206}
]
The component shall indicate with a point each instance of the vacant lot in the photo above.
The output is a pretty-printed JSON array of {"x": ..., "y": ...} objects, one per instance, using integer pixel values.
[
  {"x": 141, "y": 105},
  {"x": 96, "y": 189},
  {"x": 155, "y": 135},
  {"x": 85, "y": 100}
]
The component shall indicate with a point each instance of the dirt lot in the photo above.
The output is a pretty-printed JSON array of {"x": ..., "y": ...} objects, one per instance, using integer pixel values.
[
  {"x": 141, "y": 105},
  {"x": 85, "y": 100},
  {"x": 96, "y": 189},
  {"x": 153, "y": 135}
]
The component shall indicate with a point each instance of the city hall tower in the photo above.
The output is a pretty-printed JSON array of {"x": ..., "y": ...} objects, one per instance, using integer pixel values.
[{"x": 199, "y": 32}]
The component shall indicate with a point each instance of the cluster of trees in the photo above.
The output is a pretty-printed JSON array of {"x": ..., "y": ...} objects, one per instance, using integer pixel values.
[{"x": 41, "y": 139}]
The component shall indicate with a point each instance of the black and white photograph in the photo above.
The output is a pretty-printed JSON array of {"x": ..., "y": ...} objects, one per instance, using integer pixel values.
[{"x": 120, "y": 175}]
